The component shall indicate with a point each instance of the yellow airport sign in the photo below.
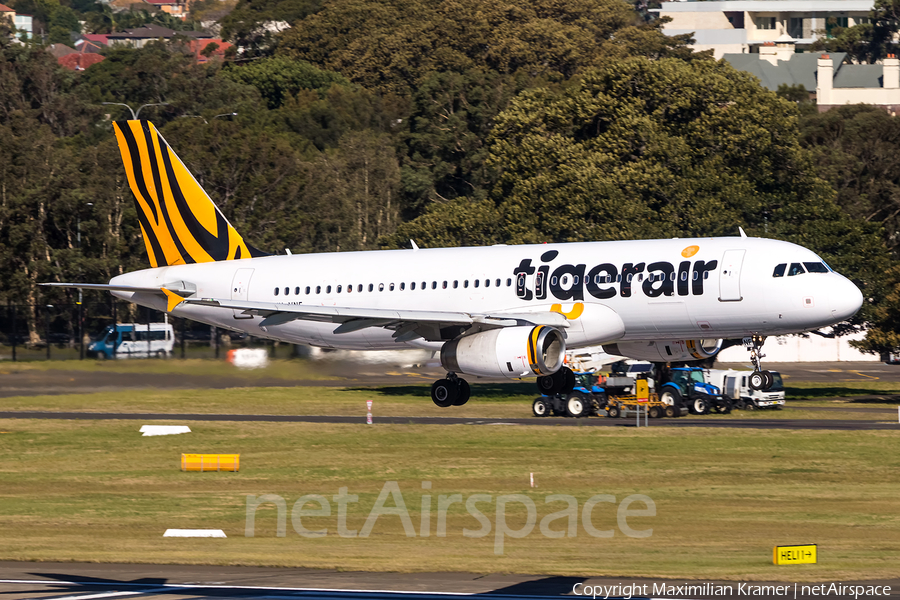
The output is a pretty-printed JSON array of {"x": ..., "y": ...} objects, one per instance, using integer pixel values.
[
  {"x": 795, "y": 555},
  {"x": 210, "y": 462}
]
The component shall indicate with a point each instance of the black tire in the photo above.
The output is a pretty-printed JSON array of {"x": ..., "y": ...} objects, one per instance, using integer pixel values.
[
  {"x": 671, "y": 397},
  {"x": 462, "y": 392},
  {"x": 546, "y": 385},
  {"x": 569, "y": 381},
  {"x": 699, "y": 406},
  {"x": 540, "y": 407},
  {"x": 757, "y": 380},
  {"x": 576, "y": 405},
  {"x": 740, "y": 404},
  {"x": 748, "y": 403},
  {"x": 672, "y": 411},
  {"x": 444, "y": 392},
  {"x": 654, "y": 412},
  {"x": 769, "y": 381},
  {"x": 613, "y": 412}
]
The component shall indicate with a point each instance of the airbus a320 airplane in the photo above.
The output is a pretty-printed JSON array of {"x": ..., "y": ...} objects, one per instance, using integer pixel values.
[{"x": 499, "y": 311}]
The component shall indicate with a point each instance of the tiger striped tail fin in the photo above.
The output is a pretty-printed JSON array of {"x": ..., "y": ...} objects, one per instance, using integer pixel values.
[{"x": 179, "y": 221}]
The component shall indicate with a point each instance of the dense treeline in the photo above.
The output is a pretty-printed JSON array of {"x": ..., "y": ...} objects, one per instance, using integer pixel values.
[{"x": 369, "y": 123}]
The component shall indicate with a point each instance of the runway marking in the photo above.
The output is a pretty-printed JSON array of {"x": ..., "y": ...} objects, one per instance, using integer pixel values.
[
  {"x": 864, "y": 375},
  {"x": 155, "y": 590}
]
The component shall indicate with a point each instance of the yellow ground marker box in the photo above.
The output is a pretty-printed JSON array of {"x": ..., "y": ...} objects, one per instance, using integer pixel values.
[
  {"x": 210, "y": 462},
  {"x": 795, "y": 555}
]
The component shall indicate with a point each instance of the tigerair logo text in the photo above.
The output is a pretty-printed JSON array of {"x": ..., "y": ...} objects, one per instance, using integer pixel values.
[{"x": 606, "y": 280}]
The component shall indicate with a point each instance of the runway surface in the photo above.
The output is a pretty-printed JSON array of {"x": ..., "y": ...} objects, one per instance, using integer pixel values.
[
  {"x": 707, "y": 421},
  {"x": 65, "y": 581}
]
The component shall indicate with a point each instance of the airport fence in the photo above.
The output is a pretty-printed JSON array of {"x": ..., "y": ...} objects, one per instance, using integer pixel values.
[{"x": 65, "y": 332}]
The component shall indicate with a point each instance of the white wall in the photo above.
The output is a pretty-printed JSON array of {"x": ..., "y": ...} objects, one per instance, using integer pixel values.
[{"x": 793, "y": 348}]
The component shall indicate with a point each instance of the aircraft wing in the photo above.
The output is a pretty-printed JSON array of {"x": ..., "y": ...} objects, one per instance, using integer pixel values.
[{"x": 407, "y": 324}]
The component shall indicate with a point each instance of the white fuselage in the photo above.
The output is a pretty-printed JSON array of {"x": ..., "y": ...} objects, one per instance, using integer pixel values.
[{"x": 659, "y": 289}]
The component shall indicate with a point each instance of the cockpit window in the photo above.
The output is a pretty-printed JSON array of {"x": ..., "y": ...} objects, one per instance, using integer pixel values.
[
  {"x": 796, "y": 269},
  {"x": 815, "y": 267},
  {"x": 779, "y": 270}
]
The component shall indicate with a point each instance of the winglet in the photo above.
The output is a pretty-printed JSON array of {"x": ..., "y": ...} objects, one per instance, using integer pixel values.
[
  {"x": 741, "y": 229},
  {"x": 173, "y": 298}
]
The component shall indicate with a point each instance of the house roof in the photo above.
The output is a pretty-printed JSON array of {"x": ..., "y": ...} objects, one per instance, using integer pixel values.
[
  {"x": 79, "y": 61},
  {"x": 164, "y": 2},
  {"x": 98, "y": 38},
  {"x": 801, "y": 69},
  {"x": 60, "y": 50},
  {"x": 4, "y": 8},
  {"x": 152, "y": 31}
]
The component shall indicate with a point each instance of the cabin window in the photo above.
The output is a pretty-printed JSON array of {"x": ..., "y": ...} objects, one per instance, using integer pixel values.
[
  {"x": 487, "y": 283},
  {"x": 412, "y": 286},
  {"x": 359, "y": 288},
  {"x": 509, "y": 283},
  {"x": 706, "y": 275},
  {"x": 424, "y": 286},
  {"x": 371, "y": 287},
  {"x": 307, "y": 290},
  {"x": 328, "y": 290},
  {"x": 575, "y": 280},
  {"x": 349, "y": 288},
  {"x": 277, "y": 290},
  {"x": 318, "y": 289},
  {"x": 339, "y": 288},
  {"x": 391, "y": 287},
  {"x": 628, "y": 279},
  {"x": 564, "y": 281},
  {"x": 619, "y": 278},
  {"x": 672, "y": 276},
  {"x": 640, "y": 276},
  {"x": 815, "y": 267},
  {"x": 455, "y": 284},
  {"x": 696, "y": 276},
  {"x": 553, "y": 280},
  {"x": 796, "y": 269},
  {"x": 297, "y": 291},
  {"x": 497, "y": 283},
  {"x": 779, "y": 270},
  {"x": 684, "y": 275},
  {"x": 402, "y": 286},
  {"x": 466, "y": 283},
  {"x": 434, "y": 285},
  {"x": 380, "y": 287},
  {"x": 477, "y": 282}
]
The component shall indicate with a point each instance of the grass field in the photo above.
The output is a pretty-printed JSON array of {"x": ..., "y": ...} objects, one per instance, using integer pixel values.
[{"x": 98, "y": 491}]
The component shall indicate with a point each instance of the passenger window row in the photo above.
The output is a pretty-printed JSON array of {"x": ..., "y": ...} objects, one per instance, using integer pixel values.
[
  {"x": 800, "y": 269},
  {"x": 391, "y": 287}
]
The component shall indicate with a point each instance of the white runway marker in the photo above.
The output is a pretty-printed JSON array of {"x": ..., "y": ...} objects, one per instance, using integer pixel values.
[{"x": 149, "y": 430}]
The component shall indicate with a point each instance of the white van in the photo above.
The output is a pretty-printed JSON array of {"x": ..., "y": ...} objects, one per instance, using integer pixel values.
[
  {"x": 134, "y": 340},
  {"x": 735, "y": 385}
]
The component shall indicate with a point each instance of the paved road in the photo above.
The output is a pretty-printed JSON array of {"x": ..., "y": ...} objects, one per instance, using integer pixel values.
[
  {"x": 708, "y": 421},
  {"x": 61, "y": 581}
]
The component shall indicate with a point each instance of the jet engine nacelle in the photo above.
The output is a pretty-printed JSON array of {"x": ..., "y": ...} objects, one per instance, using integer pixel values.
[
  {"x": 666, "y": 351},
  {"x": 508, "y": 352}
]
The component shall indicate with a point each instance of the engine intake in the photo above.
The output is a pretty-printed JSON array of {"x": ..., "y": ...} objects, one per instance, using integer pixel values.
[
  {"x": 506, "y": 352},
  {"x": 666, "y": 351}
]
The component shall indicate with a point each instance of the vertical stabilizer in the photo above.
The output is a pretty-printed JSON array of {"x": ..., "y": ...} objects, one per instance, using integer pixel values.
[{"x": 179, "y": 221}]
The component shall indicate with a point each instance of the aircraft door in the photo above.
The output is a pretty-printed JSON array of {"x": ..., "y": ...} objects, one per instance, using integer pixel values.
[
  {"x": 240, "y": 286},
  {"x": 730, "y": 276}
]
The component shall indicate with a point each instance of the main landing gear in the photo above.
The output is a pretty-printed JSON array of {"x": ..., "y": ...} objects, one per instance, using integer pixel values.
[
  {"x": 563, "y": 381},
  {"x": 452, "y": 391},
  {"x": 759, "y": 379}
]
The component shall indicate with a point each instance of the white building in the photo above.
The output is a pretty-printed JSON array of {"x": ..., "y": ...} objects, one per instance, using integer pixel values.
[{"x": 741, "y": 26}]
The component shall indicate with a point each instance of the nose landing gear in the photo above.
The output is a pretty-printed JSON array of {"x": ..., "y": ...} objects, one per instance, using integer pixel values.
[
  {"x": 759, "y": 379},
  {"x": 452, "y": 391}
]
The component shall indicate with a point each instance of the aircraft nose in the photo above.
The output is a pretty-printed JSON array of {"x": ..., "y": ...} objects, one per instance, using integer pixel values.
[{"x": 846, "y": 299}]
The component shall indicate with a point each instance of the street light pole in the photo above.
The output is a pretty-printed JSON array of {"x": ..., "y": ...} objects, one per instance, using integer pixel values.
[{"x": 135, "y": 115}]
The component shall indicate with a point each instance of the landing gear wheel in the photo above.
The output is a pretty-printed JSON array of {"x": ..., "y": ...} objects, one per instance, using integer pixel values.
[
  {"x": 654, "y": 412},
  {"x": 672, "y": 412},
  {"x": 546, "y": 384},
  {"x": 757, "y": 380},
  {"x": 576, "y": 405},
  {"x": 770, "y": 379},
  {"x": 444, "y": 392},
  {"x": 462, "y": 392},
  {"x": 613, "y": 412},
  {"x": 540, "y": 408}
]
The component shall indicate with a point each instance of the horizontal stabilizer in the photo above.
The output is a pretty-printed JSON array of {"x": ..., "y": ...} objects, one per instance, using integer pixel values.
[{"x": 181, "y": 288}]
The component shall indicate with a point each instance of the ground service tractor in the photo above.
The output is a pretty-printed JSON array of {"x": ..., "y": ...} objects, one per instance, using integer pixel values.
[
  {"x": 587, "y": 398},
  {"x": 690, "y": 387},
  {"x": 736, "y": 386}
]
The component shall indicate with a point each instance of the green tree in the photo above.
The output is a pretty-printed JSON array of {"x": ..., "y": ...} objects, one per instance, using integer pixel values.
[
  {"x": 655, "y": 149},
  {"x": 252, "y": 23},
  {"x": 394, "y": 45},
  {"x": 277, "y": 78}
]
